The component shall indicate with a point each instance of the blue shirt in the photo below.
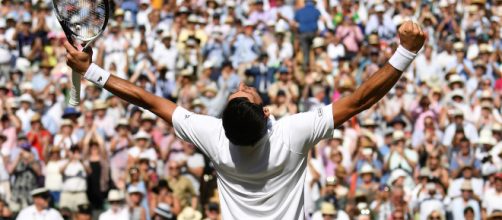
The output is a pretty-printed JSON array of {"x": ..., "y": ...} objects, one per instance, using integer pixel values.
[{"x": 307, "y": 18}]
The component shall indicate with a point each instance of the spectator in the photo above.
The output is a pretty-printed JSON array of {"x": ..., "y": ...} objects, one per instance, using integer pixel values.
[
  {"x": 306, "y": 19},
  {"x": 136, "y": 211},
  {"x": 299, "y": 56},
  {"x": 163, "y": 212},
  {"x": 460, "y": 204},
  {"x": 26, "y": 170},
  {"x": 117, "y": 209},
  {"x": 40, "y": 208},
  {"x": 182, "y": 187},
  {"x": 75, "y": 171}
]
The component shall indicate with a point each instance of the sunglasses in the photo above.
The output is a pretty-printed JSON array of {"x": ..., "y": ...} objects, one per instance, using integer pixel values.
[{"x": 434, "y": 218}]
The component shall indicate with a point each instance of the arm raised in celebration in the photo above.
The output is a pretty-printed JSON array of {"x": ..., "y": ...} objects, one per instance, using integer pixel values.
[{"x": 82, "y": 63}]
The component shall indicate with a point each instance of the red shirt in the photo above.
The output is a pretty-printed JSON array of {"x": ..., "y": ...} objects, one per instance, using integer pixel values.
[{"x": 36, "y": 141}]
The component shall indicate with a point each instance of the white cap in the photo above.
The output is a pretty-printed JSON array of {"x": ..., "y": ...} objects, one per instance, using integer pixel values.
[
  {"x": 148, "y": 115},
  {"x": 26, "y": 98},
  {"x": 141, "y": 135},
  {"x": 115, "y": 195},
  {"x": 366, "y": 168},
  {"x": 379, "y": 8},
  {"x": 134, "y": 189}
]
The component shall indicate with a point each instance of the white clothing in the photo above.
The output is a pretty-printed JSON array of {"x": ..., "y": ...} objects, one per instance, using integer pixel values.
[
  {"x": 75, "y": 177},
  {"x": 340, "y": 215},
  {"x": 31, "y": 213},
  {"x": 53, "y": 177},
  {"x": 492, "y": 202},
  {"x": 25, "y": 117},
  {"x": 458, "y": 205},
  {"x": 110, "y": 215},
  {"x": 137, "y": 153},
  {"x": 454, "y": 189},
  {"x": 265, "y": 180},
  {"x": 428, "y": 206}
]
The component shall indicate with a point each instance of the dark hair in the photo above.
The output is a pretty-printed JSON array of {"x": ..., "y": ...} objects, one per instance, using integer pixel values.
[
  {"x": 244, "y": 122},
  {"x": 468, "y": 209}
]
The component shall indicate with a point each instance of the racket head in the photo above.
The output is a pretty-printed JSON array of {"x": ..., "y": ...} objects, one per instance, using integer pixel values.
[{"x": 83, "y": 20}]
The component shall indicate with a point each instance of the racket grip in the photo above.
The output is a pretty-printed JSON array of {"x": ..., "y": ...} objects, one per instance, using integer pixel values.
[{"x": 75, "y": 89}]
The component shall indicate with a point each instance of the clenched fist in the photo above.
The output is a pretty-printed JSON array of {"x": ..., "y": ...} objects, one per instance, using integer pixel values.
[
  {"x": 77, "y": 60},
  {"x": 412, "y": 37}
]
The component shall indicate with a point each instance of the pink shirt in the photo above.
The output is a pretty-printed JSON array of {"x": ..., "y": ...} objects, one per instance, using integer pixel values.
[{"x": 350, "y": 36}]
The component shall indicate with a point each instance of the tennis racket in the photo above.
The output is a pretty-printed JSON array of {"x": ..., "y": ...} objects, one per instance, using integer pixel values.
[{"x": 82, "y": 21}]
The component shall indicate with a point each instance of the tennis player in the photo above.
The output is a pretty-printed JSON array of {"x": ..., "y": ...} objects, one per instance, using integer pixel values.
[{"x": 261, "y": 167}]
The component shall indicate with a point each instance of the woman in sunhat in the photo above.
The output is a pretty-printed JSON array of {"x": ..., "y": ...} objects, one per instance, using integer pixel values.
[
  {"x": 118, "y": 150},
  {"x": 53, "y": 177}
]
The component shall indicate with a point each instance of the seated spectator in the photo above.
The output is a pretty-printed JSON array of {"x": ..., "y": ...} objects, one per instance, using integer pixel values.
[
  {"x": 40, "y": 208},
  {"x": 117, "y": 209},
  {"x": 459, "y": 205},
  {"x": 163, "y": 212},
  {"x": 328, "y": 211},
  {"x": 136, "y": 212}
]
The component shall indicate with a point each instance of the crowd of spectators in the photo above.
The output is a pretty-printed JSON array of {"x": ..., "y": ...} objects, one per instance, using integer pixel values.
[{"x": 430, "y": 149}]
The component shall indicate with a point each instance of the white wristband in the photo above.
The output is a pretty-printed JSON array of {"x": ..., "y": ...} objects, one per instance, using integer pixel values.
[
  {"x": 97, "y": 75},
  {"x": 402, "y": 58}
]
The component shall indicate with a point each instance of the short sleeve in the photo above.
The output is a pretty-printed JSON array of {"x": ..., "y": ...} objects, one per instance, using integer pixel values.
[
  {"x": 205, "y": 132},
  {"x": 304, "y": 130}
]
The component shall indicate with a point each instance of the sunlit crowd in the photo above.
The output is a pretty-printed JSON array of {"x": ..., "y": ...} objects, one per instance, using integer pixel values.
[{"x": 431, "y": 149}]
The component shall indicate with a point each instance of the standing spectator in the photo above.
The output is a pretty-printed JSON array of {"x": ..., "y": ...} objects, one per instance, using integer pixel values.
[
  {"x": 381, "y": 23},
  {"x": 53, "y": 176},
  {"x": 192, "y": 166},
  {"x": 40, "y": 208},
  {"x": 38, "y": 136},
  {"x": 350, "y": 35},
  {"x": 182, "y": 187},
  {"x": 118, "y": 151},
  {"x": 306, "y": 19},
  {"x": 400, "y": 156},
  {"x": 136, "y": 212},
  {"x": 75, "y": 171},
  {"x": 25, "y": 113},
  {"x": 65, "y": 138},
  {"x": 98, "y": 179},
  {"x": 25, "y": 170},
  {"x": 102, "y": 120}
]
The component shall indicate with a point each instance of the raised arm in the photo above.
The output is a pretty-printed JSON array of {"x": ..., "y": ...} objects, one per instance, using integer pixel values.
[
  {"x": 81, "y": 62},
  {"x": 373, "y": 89}
]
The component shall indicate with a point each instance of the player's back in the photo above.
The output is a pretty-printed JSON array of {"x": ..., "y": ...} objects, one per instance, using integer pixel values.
[{"x": 263, "y": 181}]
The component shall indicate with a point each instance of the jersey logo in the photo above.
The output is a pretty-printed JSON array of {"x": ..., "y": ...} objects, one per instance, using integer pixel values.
[
  {"x": 319, "y": 112},
  {"x": 187, "y": 116},
  {"x": 100, "y": 78}
]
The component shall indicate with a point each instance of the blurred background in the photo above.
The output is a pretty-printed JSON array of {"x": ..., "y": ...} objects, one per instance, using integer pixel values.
[{"x": 430, "y": 149}]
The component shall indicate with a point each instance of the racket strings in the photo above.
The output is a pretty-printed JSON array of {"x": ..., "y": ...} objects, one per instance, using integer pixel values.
[{"x": 85, "y": 18}]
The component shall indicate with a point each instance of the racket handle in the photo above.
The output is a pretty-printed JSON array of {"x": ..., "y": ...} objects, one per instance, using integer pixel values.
[{"x": 75, "y": 89}]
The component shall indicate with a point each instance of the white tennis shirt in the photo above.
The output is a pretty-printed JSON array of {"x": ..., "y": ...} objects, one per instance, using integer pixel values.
[{"x": 264, "y": 181}]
